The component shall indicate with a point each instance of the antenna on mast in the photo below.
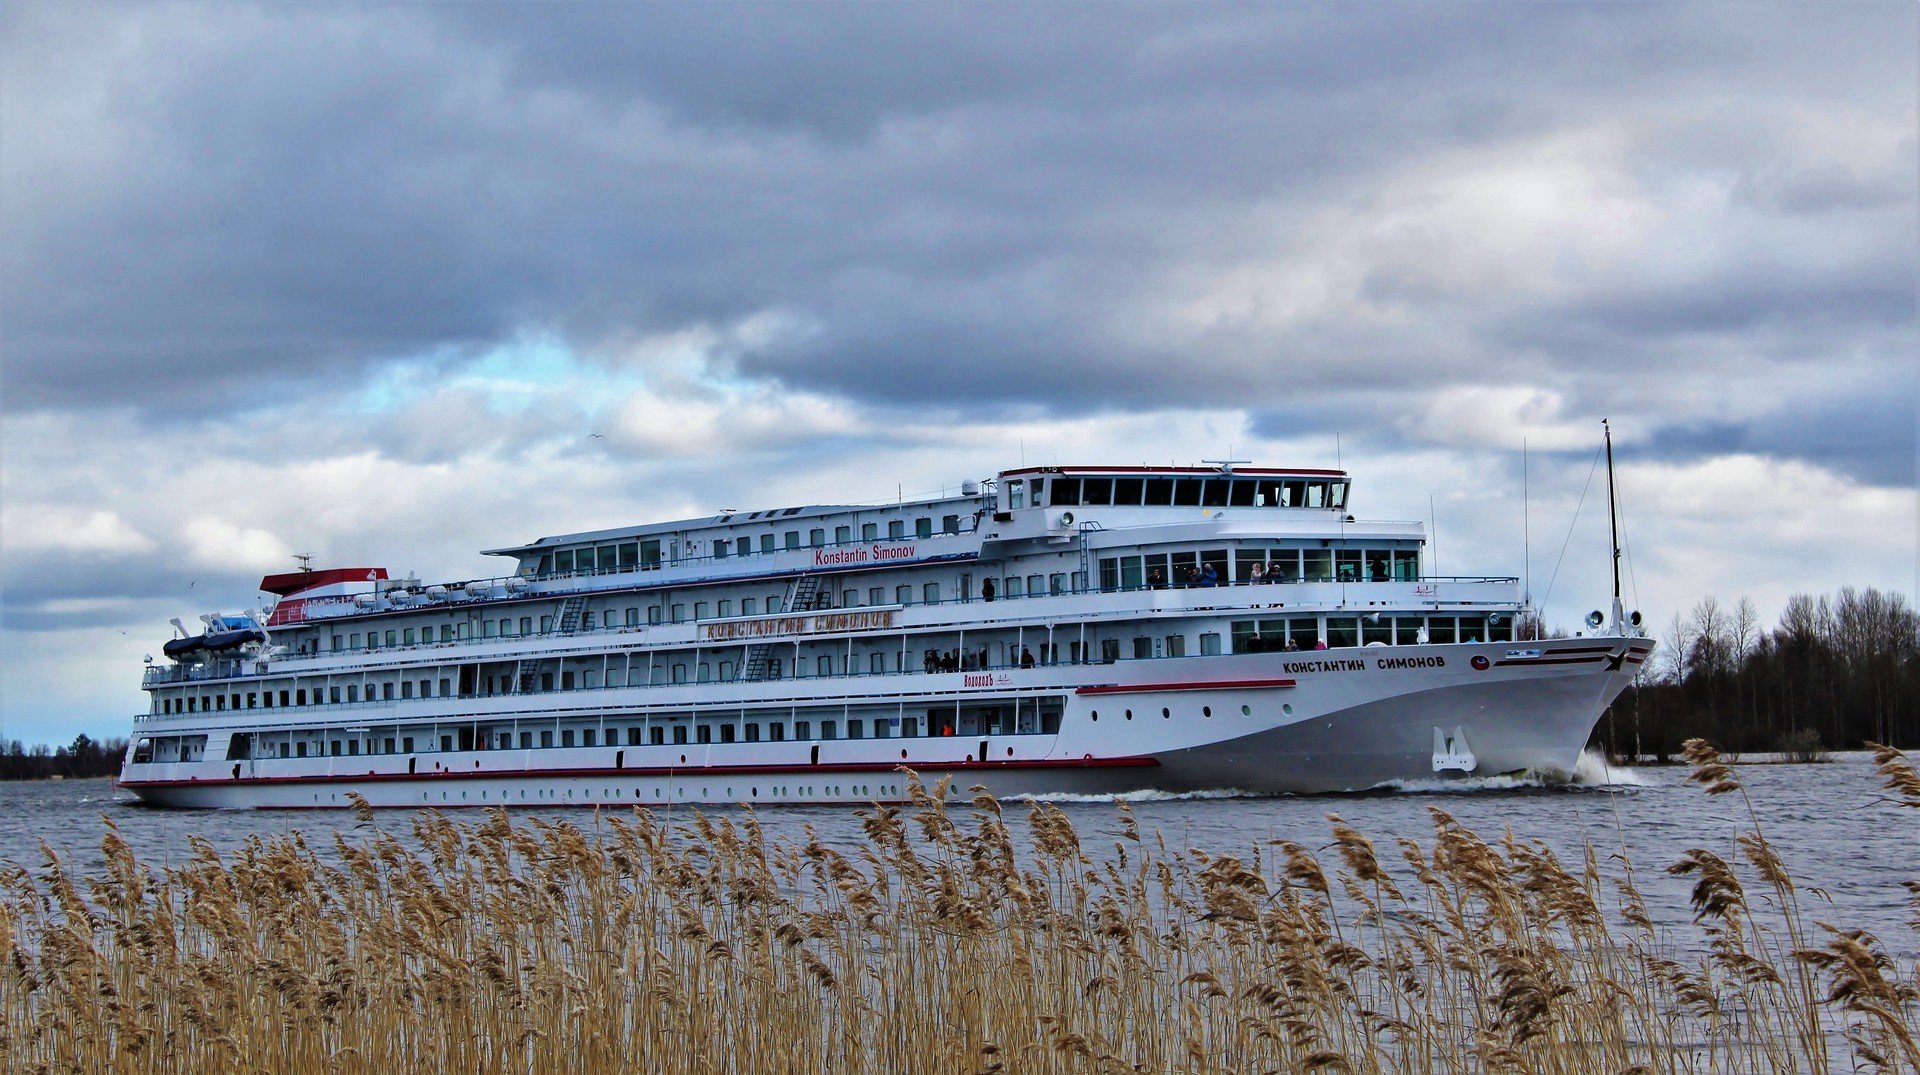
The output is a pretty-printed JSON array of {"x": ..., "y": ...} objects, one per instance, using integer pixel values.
[
  {"x": 1613, "y": 530},
  {"x": 306, "y": 562}
]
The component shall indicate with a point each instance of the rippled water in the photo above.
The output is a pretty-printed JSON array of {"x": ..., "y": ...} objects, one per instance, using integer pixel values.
[{"x": 1823, "y": 819}]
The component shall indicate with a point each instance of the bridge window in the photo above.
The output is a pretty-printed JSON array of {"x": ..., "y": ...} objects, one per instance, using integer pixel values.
[
  {"x": 1016, "y": 494},
  {"x": 1066, "y": 492}
]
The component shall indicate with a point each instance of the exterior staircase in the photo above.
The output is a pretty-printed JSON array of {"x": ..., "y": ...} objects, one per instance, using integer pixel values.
[{"x": 802, "y": 595}]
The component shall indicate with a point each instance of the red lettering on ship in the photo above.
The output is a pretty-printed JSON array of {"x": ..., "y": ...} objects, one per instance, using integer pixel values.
[{"x": 861, "y": 554}]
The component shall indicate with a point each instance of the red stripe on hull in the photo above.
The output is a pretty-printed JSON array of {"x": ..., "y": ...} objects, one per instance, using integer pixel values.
[{"x": 656, "y": 771}]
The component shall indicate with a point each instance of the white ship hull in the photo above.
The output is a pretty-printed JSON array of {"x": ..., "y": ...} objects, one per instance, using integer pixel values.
[{"x": 1297, "y": 722}]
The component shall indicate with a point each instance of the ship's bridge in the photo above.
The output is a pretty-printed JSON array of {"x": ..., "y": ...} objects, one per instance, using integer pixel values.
[{"x": 1172, "y": 487}]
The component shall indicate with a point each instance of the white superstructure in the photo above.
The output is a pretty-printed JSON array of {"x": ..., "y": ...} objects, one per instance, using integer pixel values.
[{"x": 1072, "y": 629}]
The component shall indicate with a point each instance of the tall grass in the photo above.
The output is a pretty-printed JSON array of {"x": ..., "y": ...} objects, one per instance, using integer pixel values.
[{"x": 693, "y": 943}]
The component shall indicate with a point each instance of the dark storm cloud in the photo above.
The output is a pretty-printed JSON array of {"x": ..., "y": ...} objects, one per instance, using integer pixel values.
[{"x": 209, "y": 206}]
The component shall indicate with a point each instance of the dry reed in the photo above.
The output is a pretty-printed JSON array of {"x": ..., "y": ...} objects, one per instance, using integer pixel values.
[{"x": 684, "y": 942}]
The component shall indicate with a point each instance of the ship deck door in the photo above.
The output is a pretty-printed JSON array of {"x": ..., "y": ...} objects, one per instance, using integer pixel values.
[{"x": 983, "y": 750}]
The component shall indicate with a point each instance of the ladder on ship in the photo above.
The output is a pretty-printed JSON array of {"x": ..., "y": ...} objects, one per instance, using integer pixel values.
[
  {"x": 570, "y": 610},
  {"x": 800, "y": 595},
  {"x": 528, "y": 679}
]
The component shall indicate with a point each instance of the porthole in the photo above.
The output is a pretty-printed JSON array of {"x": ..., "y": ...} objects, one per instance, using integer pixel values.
[
  {"x": 1246, "y": 711},
  {"x": 1206, "y": 711},
  {"x": 1009, "y": 752},
  {"x": 903, "y": 754},
  {"x": 1129, "y": 714},
  {"x": 1287, "y": 708},
  {"x": 1096, "y": 714},
  {"x": 1166, "y": 714}
]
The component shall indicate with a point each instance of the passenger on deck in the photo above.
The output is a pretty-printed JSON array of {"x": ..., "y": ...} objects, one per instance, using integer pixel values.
[
  {"x": 1209, "y": 577},
  {"x": 986, "y": 589},
  {"x": 1026, "y": 657},
  {"x": 1292, "y": 646},
  {"x": 1322, "y": 644},
  {"x": 1256, "y": 644},
  {"x": 1258, "y": 574},
  {"x": 1155, "y": 581}
]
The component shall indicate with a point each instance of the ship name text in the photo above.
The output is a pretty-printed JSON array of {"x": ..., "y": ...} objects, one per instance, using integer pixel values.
[
  {"x": 810, "y": 624},
  {"x": 862, "y": 554}
]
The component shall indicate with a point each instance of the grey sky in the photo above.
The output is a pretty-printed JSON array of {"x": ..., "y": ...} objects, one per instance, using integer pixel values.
[{"x": 359, "y": 279}]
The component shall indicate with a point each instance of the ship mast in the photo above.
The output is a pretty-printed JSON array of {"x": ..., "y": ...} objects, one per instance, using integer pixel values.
[{"x": 1613, "y": 528}]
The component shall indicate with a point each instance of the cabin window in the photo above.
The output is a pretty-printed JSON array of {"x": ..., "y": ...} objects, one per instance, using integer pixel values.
[
  {"x": 1376, "y": 628},
  {"x": 546, "y": 739},
  {"x": 629, "y": 555},
  {"x": 353, "y": 693},
  {"x": 753, "y": 733},
  {"x": 842, "y": 535},
  {"x": 869, "y": 531},
  {"x": 633, "y": 737},
  {"x": 446, "y": 687},
  {"x": 705, "y": 672},
  {"x": 1210, "y": 644},
  {"x": 657, "y": 735},
  {"x": 563, "y": 561},
  {"x": 1176, "y": 645},
  {"x": 725, "y": 608},
  {"x": 749, "y": 606},
  {"x": 792, "y": 539},
  {"x": 923, "y": 527},
  {"x": 700, "y": 610},
  {"x": 1473, "y": 629},
  {"x": 679, "y": 612},
  {"x": 896, "y": 528},
  {"x": 824, "y": 665},
  {"x": 703, "y": 734},
  {"x": 679, "y": 673},
  {"x": 446, "y": 632},
  {"x": 299, "y": 750},
  {"x": 816, "y": 537},
  {"x": 1142, "y": 647},
  {"x": 386, "y": 691},
  {"x": 334, "y": 747},
  {"x": 650, "y": 554},
  {"x": 680, "y": 735},
  {"x": 903, "y": 595},
  {"x": 776, "y": 731},
  {"x": 930, "y": 593},
  {"x": 877, "y": 595},
  {"x": 1346, "y": 565},
  {"x": 356, "y": 640},
  {"x": 408, "y": 636},
  {"x": 726, "y": 733},
  {"x": 766, "y": 542},
  {"x": 743, "y": 547},
  {"x": 1343, "y": 631},
  {"x": 950, "y": 524},
  {"x": 1316, "y": 564},
  {"x": 653, "y": 614},
  {"x": 802, "y": 730}
]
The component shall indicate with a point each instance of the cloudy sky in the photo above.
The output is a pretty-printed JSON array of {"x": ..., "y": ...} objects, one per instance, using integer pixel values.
[{"x": 365, "y": 280}]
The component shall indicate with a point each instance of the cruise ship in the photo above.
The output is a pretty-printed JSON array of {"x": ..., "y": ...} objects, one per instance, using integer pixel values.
[{"x": 1080, "y": 630}]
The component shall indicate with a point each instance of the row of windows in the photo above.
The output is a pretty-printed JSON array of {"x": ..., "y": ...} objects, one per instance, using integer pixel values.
[
  {"x": 1004, "y": 720},
  {"x": 1211, "y": 567},
  {"x": 646, "y": 555},
  {"x": 1217, "y": 491},
  {"x": 1303, "y": 632}
]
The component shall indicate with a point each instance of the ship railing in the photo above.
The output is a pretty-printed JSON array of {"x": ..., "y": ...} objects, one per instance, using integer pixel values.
[
  {"x": 969, "y": 601},
  {"x": 1021, "y": 614}
]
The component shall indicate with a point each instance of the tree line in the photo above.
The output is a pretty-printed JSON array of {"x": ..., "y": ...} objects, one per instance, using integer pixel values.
[
  {"x": 81, "y": 758},
  {"x": 1836, "y": 671}
]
